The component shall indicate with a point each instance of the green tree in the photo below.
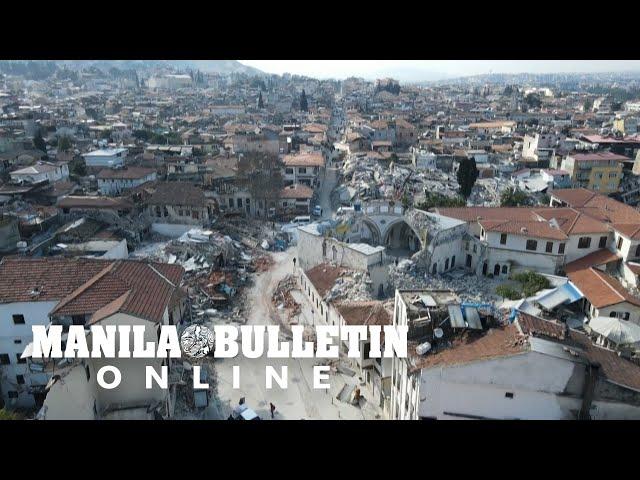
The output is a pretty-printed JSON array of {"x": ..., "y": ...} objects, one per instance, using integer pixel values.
[
  {"x": 304, "y": 106},
  {"x": 38, "y": 142},
  {"x": 7, "y": 415},
  {"x": 467, "y": 176},
  {"x": 533, "y": 100},
  {"x": 260, "y": 102},
  {"x": 435, "y": 199},
  {"x": 64, "y": 144},
  {"x": 513, "y": 197},
  {"x": 143, "y": 135},
  {"x": 587, "y": 105}
]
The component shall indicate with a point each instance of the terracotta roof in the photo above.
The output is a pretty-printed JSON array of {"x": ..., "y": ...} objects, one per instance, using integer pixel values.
[
  {"x": 52, "y": 278},
  {"x": 600, "y": 289},
  {"x": 527, "y": 229},
  {"x": 574, "y": 197},
  {"x": 599, "y": 257},
  {"x": 613, "y": 367},
  {"x": 304, "y": 160},
  {"x": 364, "y": 313},
  {"x": 116, "y": 203},
  {"x": 473, "y": 346},
  {"x": 536, "y": 326},
  {"x": 571, "y": 221},
  {"x": 629, "y": 230},
  {"x": 177, "y": 193},
  {"x": 296, "y": 191},
  {"x": 129, "y": 173},
  {"x": 599, "y": 157},
  {"x": 141, "y": 289},
  {"x": 324, "y": 276},
  {"x": 473, "y": 214}
]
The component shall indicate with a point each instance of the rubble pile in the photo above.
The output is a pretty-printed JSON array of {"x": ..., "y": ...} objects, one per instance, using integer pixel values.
[
  {"x": 283, "y": 299},
  {"x": 408, "y": 275},
  {"x": 352, "y": 286}
]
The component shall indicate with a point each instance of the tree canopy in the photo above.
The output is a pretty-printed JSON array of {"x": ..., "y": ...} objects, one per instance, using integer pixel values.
[{"x": 467, "y": 176}]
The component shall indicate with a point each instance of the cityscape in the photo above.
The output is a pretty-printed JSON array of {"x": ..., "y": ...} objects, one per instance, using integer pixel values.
[{"x": 488, "y": 210}]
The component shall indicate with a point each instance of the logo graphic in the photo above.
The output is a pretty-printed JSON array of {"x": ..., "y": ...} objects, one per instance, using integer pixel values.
[{"x": 197, "y": 341}]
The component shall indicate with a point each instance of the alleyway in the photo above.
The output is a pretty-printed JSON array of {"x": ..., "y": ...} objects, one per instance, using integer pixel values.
[{"x": 300, "y": 400}]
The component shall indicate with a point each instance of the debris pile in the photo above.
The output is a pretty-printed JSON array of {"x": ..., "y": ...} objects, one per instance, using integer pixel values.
[
  {"x": 352, "y": 286},
  {"x": 283, "y": 299},
  {"x": 409, "y": 275}
]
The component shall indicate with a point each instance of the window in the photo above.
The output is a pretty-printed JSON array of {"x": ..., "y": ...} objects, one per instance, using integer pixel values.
[
  {"x": 12, "y": 394},
  {"x": 626, "y": 316},
  {"x": 504, "y": 269},
  {"x": 613, "y": 314},
  {"x": 584, "y": 242},
  {"x": 18, "y": 319},
  {"x": 561, "y": 248},
  {"x": 446, "y": 264},
  {"x": 302, "y": 170},
  {"x": 613, "y": 175},
  {"x": 288, "y": 171},
  {"x": 453, "y": 261},
  {"x": 20, "y": 360},
  {"x": 195, "y": 214},
  {"x": 503, "y": 239},
  {"x": 603, "y": 242},
  {"x": 638, "y": 250},
  {"x": 549, "y": 248},
  {"x": 239, "y": 203},
  {"x": 231, "y": 202},
  {"x": 17, "y": 341},
  {"x": 619, "y": 244},
  {"x": 434, "y": 268},
  {"x": 20, "y": 379},
  {"x": 4, "y": 359},
  {"x": 532, "y": 245},
  {"x": 366, "y": 351},
  {"x": 508, "y": 395}
]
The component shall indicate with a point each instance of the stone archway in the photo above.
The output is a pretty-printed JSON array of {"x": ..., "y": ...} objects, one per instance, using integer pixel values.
[
  {"x": 401, "y": 240},
  {"x": 370, "y": 233}
]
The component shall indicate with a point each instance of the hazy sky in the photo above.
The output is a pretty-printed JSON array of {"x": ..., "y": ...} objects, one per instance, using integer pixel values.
[{"x": 413, "y": 70}]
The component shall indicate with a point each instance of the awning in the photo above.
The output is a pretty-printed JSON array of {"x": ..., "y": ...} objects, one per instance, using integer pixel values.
[
  {"x": 618, "y": 331},
  {"x": 455, "y": 316},
  {"x": 473, "y": 318},
  {"x": 567, "y": 293}
]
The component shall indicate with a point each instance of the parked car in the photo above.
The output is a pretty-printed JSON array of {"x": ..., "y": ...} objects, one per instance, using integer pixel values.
[
  {"x": 317, "y": 211},
  {"x": 242, "y": 412}
]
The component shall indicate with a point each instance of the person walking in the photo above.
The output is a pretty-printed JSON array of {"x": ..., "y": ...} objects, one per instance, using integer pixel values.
[{"x": 273, "y": 409}]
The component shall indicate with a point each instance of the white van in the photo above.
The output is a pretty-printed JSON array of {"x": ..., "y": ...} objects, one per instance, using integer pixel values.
[{"x": 301, "y": 220}]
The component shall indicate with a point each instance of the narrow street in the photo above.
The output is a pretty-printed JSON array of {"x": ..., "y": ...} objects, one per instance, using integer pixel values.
[{"x": 300, "y": 400}]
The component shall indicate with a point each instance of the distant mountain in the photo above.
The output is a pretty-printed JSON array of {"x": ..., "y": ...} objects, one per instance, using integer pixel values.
[{"x": 211, "y": 66}]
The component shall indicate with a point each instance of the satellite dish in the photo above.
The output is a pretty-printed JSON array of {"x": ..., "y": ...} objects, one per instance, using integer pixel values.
[{"x": 438, "y": 332}]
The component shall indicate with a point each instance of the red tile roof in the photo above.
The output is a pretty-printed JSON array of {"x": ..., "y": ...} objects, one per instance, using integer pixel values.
[
  {"x": 304, "y": 160},
  {"x": 599, "y": 257},
  {"x": 528, "y": 229},
  {"x": 52, "y": 278},
  {"x": 474, "y": 346},
  {"x": 324, "y": 276},
  {"x": 600, "y": 289},
  {"x": 364, "y": 313}
]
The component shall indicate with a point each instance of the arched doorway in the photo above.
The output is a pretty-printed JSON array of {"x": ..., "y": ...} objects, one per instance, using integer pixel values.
[
  {"x": 401, "y": 240},
  {"x": 370, "y": 233}
]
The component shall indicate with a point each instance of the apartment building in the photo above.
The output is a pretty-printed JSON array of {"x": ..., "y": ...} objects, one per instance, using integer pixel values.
[{"x": 598, "y": 171}]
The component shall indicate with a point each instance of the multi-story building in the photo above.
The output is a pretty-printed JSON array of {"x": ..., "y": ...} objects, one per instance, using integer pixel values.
[
  {"x": 115, "y": 181},
  {"x": 305, "y": 169},
  {"x": 599, "y": 171}
]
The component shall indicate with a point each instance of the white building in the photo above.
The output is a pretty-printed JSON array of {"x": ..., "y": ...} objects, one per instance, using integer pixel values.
[
  {"x": 83, "y": 292},
  {"x": 107, "y": 157},
  {"x": 116, "y": 181},
  {"x": 533, "y": 369},
  {"x": 41, "y": 172}
]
